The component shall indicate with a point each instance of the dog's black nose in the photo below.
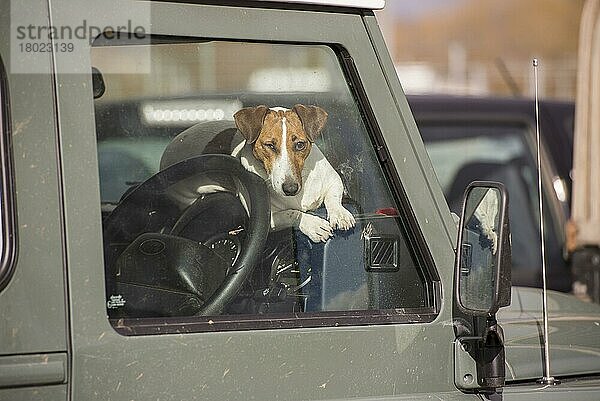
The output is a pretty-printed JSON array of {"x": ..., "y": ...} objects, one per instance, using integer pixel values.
[{"x": 290, "y": 188}]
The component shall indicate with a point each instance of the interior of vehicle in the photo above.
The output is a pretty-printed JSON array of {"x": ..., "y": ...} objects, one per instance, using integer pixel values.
[{"x": 176, "y": 247}]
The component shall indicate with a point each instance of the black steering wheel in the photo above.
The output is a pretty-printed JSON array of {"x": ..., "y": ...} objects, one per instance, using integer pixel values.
[{"x": 144, "y": 227}]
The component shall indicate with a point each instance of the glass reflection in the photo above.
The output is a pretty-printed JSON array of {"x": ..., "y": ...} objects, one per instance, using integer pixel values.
[{"x": 479, "y": 259}]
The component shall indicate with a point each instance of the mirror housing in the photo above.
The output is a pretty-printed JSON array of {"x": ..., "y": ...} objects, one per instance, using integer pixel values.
[
  {"x": 482, "y": 285},
  {"x": 483, "y": 263}
]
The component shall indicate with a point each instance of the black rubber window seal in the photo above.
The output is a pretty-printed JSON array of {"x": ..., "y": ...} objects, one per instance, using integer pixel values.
[{"x": 8, "y": 217}]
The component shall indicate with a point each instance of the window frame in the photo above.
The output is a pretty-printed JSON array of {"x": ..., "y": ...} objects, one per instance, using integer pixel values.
[
  {"x": 8, "y": 217},
  {"x": 415, "y": 239}
]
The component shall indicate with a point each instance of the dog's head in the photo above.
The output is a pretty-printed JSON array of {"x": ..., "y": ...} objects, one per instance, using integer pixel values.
[{"x": 281, "y": 140}]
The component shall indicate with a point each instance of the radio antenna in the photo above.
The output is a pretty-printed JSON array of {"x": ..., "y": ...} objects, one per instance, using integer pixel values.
[{"x": 547, "y": 379}]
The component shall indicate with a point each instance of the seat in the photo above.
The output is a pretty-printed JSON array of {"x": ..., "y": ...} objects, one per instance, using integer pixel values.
[{"x": 212, "y": 137}]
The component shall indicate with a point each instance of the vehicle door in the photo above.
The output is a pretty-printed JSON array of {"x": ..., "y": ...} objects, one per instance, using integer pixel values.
[{"x": 362, "y": 315}]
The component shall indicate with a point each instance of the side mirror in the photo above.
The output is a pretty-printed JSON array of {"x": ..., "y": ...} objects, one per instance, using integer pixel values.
[
  {"x": 481, "y": 286},
  {"x": 484, "y": 251}
]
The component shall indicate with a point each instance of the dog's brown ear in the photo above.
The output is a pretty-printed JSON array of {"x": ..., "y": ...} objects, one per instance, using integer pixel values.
[
  {"x": 313, "y": 119},
  {"x": 249, "y": 121}
]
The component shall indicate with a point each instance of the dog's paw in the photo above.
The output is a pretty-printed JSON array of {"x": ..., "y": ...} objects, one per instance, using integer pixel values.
[
  {"x": 315, "y": 228},
  {"x": 340, "y": 218}
]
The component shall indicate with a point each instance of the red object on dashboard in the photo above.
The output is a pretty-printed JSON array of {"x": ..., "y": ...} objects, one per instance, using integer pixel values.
[{"x": 387, "y": 211}]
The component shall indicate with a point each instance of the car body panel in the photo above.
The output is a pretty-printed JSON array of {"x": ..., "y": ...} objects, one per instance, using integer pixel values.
[
  {"x": 411, "y": 126},
  {"x": 585, "y": 389},
  {"x": 574, "y": 335},
  {"x": 40, "y": 262},
  {"x": 34, "y": 325},
  {"x": 394, "y": 361},
  {"x": 320, "y": 363}
]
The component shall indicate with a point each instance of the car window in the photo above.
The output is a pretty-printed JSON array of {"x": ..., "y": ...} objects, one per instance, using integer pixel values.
[
  {"x": 7, "y": 226},
  {"x": 175, "y": 235},
  {"x": 462, "y": 152}
]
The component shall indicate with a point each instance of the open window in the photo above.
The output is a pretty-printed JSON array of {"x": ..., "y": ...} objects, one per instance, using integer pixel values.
[{"x": 175, "y": 251}]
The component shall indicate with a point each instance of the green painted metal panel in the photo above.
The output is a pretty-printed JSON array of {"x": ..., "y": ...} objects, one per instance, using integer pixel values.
[
  {"x": 391, "y": 77},
  {"x": 575, "y": 389},
  {"x": 33, "y": 370},
  {"x": 574, "y": 335},
  {"x": 46, "y": 393},
  {"x": 323, "y": 363},
  {"x": 32, "y": 306}
]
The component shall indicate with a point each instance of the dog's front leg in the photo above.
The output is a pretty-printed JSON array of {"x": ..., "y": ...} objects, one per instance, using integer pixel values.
[
  {"x": 314, "y": 227},
  {"x": 339, "y": 217}
]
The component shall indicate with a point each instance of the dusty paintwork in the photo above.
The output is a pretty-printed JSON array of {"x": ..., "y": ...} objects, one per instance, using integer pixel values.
[{"x": 56, "y": 301}]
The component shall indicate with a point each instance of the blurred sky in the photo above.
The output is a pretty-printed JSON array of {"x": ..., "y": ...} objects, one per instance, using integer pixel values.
[
  {"x": 406, "y": 9},
  {"x": 483, "y": 47}
]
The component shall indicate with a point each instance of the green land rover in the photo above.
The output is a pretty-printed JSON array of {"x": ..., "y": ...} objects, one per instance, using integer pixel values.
[{"x": 140, "y": 256}]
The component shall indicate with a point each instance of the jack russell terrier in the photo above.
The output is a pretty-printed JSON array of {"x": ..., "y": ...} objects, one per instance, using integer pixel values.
[{"x": 279, "y": 147}]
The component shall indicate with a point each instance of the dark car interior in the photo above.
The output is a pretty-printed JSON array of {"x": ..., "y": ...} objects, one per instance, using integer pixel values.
[{"x": 212, "y": 257}]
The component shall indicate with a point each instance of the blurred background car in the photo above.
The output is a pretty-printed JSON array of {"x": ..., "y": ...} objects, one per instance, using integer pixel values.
[{"x": 486, "y": 138}]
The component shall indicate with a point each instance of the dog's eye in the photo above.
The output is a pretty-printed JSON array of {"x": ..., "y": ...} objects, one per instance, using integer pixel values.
[
  {"x": 270, "y": 146},
  {"x": 299, "y": 146}
]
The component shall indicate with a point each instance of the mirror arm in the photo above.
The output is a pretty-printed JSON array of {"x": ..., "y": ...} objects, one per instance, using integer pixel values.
[
  {"x": 491, "y": 364},
  {"x": 481, "y": 357}
]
